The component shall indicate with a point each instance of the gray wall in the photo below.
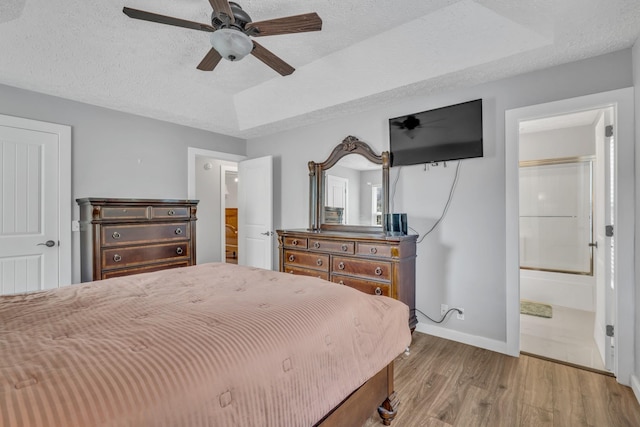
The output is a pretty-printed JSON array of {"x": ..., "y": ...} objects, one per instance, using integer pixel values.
[
  {"x": 116, "y": 154},
  {"x": 462, "y": 262}
]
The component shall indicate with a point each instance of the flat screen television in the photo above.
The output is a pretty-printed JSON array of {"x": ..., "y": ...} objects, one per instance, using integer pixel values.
[{"x": 448, "y": 133}]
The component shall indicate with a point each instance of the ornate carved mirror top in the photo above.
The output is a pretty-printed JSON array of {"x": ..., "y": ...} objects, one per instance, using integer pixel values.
[{"x": 349, "y": 190}]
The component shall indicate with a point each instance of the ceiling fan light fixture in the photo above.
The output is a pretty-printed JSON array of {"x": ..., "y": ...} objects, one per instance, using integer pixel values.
[{"x": 231, "y": 44}]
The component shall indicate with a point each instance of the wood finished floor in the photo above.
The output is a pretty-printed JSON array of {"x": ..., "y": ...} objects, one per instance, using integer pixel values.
[{"x": 445, "y": 383}]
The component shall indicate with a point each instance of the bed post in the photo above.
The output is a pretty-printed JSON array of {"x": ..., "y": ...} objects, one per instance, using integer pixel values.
[{"x": 389, "y": 407}]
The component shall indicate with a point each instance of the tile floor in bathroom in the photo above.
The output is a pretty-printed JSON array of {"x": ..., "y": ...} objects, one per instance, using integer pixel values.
[{"x": 566, "y": 337}]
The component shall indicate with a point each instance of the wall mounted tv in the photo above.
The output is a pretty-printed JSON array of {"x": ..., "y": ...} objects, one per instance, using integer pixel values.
[{"x": 448, "y": 133}]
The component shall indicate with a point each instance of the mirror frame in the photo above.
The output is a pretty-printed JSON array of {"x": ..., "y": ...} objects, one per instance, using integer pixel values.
[{"x": 349, "y": 145}]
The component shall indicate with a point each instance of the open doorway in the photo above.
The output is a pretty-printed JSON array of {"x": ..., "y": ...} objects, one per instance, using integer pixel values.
[
  {"x": 619, "y": 313},
  {"x": 206, "y": 183},
  {"x": 229, "y": 204},
  {"x": 563, "y": 193}
]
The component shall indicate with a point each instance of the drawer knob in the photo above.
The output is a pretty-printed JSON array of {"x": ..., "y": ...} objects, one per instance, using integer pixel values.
[
  {"x": 292, "y": 258},
  {"x": 373, "y": 250},
  {"x": 179, "y": 250},
  {"x": 178, "y": 230},
  {"x": 344, "y": 248},
  {"x": 378, "y": 271},
  {"x": 341, "y": 282},
  {"x": 341, "y": 265},
  {"x": 171, "y": 212},
  {"x": 290, "y": 271},
  {"x": 319, "y": 262},
  {"x": 115, "y": 235},
  {"x": 316, "y": 245},
  {"x": 117, "y": 258},
  {"x": 294, "y": 242},
  {"x": 378, "y": 291}
]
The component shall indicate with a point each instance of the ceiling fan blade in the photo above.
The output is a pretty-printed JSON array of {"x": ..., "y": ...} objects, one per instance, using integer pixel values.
[
  {"x": 210, "y": 60},
  {"x": 271, "y": 60},
  {"x": 162, "y": 19},
  {"x": 222, "y": 6},
  {"x": 288, "y": 25}
]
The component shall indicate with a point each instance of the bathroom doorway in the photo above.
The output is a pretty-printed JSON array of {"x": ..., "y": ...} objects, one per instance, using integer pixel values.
[{"x": 564, "y": 191}]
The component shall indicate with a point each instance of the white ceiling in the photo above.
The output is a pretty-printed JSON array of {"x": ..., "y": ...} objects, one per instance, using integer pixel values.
[{"x": 369, "y": 52}]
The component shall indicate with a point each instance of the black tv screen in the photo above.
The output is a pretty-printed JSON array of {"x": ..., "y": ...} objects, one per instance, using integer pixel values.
[{"x": 448, "y": 133}]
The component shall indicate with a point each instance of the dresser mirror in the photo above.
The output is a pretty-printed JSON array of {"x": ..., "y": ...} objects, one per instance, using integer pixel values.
[{"x": 350, "y": 190}]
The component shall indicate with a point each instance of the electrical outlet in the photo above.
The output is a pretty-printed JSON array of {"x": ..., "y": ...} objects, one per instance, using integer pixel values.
[
  {"x": 443, "y": 309},
  {"x": 460, "y": 315}
]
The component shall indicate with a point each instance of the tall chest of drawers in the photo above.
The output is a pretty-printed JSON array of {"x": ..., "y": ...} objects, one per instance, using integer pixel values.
[
  {"x": 373, "y": 263},
  {"x": 120, "y": 237}
]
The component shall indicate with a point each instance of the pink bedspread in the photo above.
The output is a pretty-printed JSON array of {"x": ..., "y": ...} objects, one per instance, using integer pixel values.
[{"x": 209, "y": 345}]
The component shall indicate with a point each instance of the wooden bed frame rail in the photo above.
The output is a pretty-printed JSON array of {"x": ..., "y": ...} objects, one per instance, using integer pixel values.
[{"x": 377, "y": 392}]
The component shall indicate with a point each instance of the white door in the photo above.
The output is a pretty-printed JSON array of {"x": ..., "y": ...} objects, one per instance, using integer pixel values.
[
  {"x": 607, "y": 250},
  {"x": 31, "y": 155},
  {"x": 336, "y": 195},
  {"x": 255, "y": 212}
]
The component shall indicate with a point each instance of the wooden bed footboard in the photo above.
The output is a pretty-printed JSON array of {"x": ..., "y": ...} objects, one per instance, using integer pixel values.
[{"x": 377, "y": 392}]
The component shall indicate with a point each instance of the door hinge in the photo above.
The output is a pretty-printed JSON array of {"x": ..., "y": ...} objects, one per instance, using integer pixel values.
[
  {"x": 608, "y": 131},
  {"x": 608, "y": 230},
  {"x": 609, "y": 330}
]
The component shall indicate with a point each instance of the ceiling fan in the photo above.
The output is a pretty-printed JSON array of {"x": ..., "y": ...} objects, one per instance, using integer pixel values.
[{"x": 231, "y": 29}]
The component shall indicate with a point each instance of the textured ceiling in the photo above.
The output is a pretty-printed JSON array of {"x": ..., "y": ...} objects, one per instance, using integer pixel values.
[{"x": 368, "y": 53}]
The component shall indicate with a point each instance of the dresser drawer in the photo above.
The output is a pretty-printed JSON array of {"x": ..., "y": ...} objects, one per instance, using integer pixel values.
[
  {"x": 136, "y": 255},
  {"x": 113, "y": 235},
  {"x": 307, "y": 260},
  {"x": 295, "y": 242},
  {"x": 379, "y": 270},
  {"x": 124, "y": 212},
  {"x": 366, "y": 286},
  {"x": 306, "y": 272},
  {"x": 331, "y": 246},
  {"x": 373, "y": 250},
  {"x": 107, "y": 274},
  {"x": 167, "y": 212}
]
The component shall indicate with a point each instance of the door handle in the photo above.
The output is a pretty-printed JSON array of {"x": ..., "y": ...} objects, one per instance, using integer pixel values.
[
  {"x": 593, "y": 245},
  {"x": 267, "y": 233},
  {"x": 48, "y": 243}
]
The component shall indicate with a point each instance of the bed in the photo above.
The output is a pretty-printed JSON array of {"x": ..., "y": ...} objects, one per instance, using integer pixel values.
[{"x": 208, "y": 345}]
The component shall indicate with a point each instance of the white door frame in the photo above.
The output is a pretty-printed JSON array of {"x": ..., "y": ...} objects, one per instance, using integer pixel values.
[
  {"x": 63, "y": 133},
  {"x": 622, "y": 100},
  {"x": 223, "y": 204},
  {"x": 192, "y": 153}
]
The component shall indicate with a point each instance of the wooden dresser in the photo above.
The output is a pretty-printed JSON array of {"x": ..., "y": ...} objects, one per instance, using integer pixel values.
[
  {"x": 373, "y": 263},
  {"x": 120, "y": 237}
]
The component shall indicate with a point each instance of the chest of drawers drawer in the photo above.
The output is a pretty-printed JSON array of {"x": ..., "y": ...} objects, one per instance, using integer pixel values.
[
  {"x": 124, "y": 212},
  {"x": 331, "y": 246},
  {"x": 126, "y": 234},
  {"x": 306, "y": 272},
  {"x": 306, "y": 260},
  {"x": 295, "y": 242},
  {"x": 107, "y": 274},
  {"x": 373, "y": 250},
  {"x": 168, "y": 212},
  {"x": 379, "y": 270},
  {"x": 363, "y": 285},
  {"x": 137, "y": 255}
]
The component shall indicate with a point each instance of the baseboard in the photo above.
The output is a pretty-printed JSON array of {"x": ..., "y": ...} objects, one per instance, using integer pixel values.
[
  {"x": 474, "y": 340},
  {"x": 635, "y": 386}
]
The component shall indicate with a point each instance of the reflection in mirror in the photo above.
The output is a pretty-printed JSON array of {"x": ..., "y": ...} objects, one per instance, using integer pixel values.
[
  {"x": 353, "y": 192},
  {"x": 349, "y": 191}
]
